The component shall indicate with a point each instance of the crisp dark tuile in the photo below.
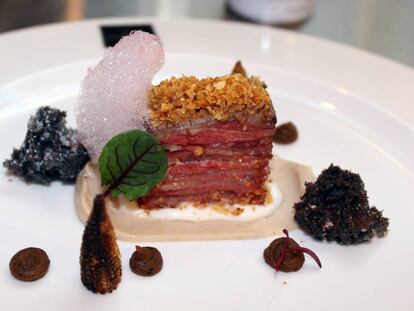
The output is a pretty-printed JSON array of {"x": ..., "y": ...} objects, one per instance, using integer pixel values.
[
  {"x": 50, "y": 150},
  {"x": 100, "y": 259},
  {"x": 336, "y": 208}
]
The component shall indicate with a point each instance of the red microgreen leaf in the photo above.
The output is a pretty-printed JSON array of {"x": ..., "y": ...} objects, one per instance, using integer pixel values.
[{"x": 131, "y": 163}]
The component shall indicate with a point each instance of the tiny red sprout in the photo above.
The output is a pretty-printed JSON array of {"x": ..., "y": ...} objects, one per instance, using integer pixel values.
[
  {"x": 309, "y": 252},
  {"x": 284, "y": 251},
  {"x": 295, "y": 249}
]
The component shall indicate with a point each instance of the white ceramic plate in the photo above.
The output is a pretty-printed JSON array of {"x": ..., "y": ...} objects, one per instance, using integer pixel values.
[{"x": 352, "y": 108}]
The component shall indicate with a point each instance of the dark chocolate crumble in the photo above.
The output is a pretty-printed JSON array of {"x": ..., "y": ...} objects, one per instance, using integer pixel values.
[
  {"x": 335, "y": 207},
  {"x": 50, "y": 150}
]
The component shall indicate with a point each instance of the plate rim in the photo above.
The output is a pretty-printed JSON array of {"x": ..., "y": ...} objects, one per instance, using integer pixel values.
[{"x": 389, "y": 95}]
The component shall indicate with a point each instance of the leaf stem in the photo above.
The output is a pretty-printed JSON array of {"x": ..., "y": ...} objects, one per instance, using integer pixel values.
[{"x": 284, "y": 251}]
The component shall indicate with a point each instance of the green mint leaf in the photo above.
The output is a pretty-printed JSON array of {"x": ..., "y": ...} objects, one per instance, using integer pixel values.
[{"x": 131, "y": 163}]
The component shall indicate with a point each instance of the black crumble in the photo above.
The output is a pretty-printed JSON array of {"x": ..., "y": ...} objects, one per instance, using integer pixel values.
[
  {"x": 50, "y": 150},
  {"x": 336, "y": 208}
]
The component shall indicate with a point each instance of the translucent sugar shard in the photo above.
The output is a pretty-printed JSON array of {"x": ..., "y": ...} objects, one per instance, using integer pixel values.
[
  {"x": 114, "y": 93},
  {"x": 100, "y": 259}
]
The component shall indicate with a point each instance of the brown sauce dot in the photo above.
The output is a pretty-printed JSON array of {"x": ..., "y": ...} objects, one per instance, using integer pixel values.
[
  {"x": 146, "y": 261},
  {"x": 286, "y": 133},
  {"x": 29, "y": 264},
  {"x": 292, "y": 261}
]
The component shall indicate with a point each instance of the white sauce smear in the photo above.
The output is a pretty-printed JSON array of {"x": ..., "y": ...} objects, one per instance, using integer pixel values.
[{"x": 191, "y": 213}]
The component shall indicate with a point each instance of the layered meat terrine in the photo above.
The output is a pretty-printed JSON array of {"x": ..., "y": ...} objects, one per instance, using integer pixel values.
[{"x": 218, "y": 136}]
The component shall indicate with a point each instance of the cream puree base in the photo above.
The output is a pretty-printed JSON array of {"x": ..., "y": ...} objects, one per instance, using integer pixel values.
[{"x": 290, "y": 177}]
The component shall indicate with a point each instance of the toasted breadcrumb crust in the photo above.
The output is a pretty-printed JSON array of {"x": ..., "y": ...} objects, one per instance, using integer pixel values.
[{"x": 188, "y": 98}]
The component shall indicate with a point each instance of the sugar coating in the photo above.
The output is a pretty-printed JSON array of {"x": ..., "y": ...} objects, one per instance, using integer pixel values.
[{"x": 113, "y": 95}]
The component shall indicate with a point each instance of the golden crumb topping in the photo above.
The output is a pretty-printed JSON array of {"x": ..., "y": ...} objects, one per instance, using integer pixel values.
[{"x": 187, "y": 98}]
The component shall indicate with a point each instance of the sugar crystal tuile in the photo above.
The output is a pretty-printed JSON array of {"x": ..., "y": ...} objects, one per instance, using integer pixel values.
[{"x": 114, "y": 93}]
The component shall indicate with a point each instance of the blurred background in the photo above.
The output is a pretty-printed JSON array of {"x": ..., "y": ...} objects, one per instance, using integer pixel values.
[{"x": 385, "y": 27}]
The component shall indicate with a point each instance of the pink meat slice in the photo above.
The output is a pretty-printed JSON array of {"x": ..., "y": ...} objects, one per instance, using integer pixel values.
[
  {"x": 206, "y": 166},
  {"x": 228, "y": 156},
  {"x": 212, "y": 136},
  {"x": 238, "y": 186},
  {"x": 203, "y": 180},
  {"x": 215, "y": 174}
]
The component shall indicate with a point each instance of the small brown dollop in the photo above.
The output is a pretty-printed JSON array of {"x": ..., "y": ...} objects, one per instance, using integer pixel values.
[
  {"x": 284, "y": 254},
  {"x": 146, "y": 261},
  {"x": 293, "y": 260},
  {"x": 286, "y": 133},
  {"x": 238, "y": 68},
  {"x": 29, "y": 264}
]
